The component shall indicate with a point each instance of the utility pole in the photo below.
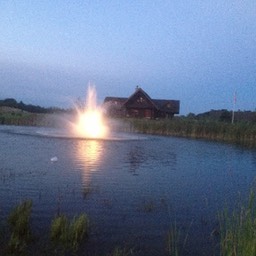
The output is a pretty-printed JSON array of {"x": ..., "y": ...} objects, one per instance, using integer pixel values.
[{"x": 234, "y": 106}]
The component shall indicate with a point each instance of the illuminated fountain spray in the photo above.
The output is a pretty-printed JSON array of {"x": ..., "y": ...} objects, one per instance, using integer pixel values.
[{"x": 90, "y": 122}]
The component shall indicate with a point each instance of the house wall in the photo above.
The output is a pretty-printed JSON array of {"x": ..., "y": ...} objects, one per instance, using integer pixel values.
[
  {"x": 140, "y": 113},
  {"x": 163, "y": 114}
]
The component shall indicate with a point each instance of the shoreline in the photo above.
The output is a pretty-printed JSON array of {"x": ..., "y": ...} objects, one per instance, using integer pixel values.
[
  {"x": 239, "y": 133},
  {"x": 243, "y": 134}
]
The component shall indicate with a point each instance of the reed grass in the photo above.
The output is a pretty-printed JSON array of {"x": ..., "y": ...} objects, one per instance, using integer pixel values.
[
  {"x": 238, "y": 230},
  {"x": 19, "y": 224},
  {"x": 79, "y": 228},
  {"x": 20, "y": 118},
  {"x": 237, "y": 233},
  {"x": 68, "y": 235},
  {"x": 28, "y": 119},
  {"x": 177, "y": 240},
  {"x": 59, "y": 230},
  {"x": 241, "y": 132},
  {"x": 173, "y": 239},
  {"x": 121, "y": 252}
]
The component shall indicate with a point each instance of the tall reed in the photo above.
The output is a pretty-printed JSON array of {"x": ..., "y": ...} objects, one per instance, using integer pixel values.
[
  {"x": 242, "y": 132},
  {"x": 19, "y": 223},
  {"x": 173, "y": 240},
  {"x": 238, "y": 230},
  {"x": 121, "y": 252},
  {"x": 67, "y": 235}
]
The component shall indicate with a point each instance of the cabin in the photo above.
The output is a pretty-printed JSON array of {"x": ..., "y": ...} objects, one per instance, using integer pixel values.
[{"x": 140, "y": 105}]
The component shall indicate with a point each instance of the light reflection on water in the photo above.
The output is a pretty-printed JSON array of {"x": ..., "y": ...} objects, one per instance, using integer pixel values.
[
  {"x": 132, "y": 190},
  {"x": 88, "y": 153}
]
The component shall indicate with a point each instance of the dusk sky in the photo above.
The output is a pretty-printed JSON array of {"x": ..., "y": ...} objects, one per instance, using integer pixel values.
[{"x": 197, "y": 51}]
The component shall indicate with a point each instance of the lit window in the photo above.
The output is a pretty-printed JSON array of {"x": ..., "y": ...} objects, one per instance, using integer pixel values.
[{"x": 140, "y": 100}]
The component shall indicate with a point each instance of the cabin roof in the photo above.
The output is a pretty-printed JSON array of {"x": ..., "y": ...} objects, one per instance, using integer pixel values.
[
  {"x": 142, "y": 92},
  {"x": 119, "y": 99},
  {"x": 170, "y": 106}
]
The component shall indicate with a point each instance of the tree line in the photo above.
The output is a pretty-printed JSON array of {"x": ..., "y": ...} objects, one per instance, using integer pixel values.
[
  {"x": 224, "y": 115},
  {"x": 12, "y": 103}
]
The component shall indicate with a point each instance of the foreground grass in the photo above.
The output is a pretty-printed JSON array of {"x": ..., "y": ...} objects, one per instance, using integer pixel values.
[
  {"x": 238, "y": 230},
  {"x": 237, "y": 234},
  {"x": 65, "y": 236},
  {"x": 19, "y": 225},
  {"x": 173, "y": 238},
  {"x": 243, "y": 133}
]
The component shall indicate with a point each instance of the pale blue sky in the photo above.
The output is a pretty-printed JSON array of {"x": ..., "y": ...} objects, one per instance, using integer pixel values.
[{"x": 199, "y": 52}]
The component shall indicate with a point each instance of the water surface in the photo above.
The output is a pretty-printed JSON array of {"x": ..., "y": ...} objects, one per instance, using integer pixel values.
[{"x": 134, "y": 188}]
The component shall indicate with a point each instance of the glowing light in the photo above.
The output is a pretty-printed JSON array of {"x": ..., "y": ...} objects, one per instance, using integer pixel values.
[{"x": 90, "y": 123}]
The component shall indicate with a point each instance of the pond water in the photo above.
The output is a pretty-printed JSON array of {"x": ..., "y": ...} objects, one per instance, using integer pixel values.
[{"x": 134, "y": 188}]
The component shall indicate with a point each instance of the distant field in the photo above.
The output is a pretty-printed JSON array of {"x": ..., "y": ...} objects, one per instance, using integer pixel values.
[
  {"x": 9, "y": 110},
  {"x": 14, "y": 116}
]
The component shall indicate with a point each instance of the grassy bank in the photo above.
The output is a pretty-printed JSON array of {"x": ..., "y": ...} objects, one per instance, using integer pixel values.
[
  {"x": 243, "y": 133},
  {"x": 19, "y": 118},
  {"x": 29, "y": 119}
]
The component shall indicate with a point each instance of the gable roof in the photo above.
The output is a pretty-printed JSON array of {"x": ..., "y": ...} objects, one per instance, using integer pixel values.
[
  {"x": 142, "y": 92},
  {"x": 171, "y": 106},
  {"x": 113, "y": 99}
]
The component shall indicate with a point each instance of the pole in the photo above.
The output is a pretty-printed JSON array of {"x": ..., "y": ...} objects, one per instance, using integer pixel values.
[{"x": 233, "y": 111}]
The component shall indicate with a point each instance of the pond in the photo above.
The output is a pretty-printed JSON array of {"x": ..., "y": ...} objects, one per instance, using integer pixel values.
[{"x": 134, "y": 188}]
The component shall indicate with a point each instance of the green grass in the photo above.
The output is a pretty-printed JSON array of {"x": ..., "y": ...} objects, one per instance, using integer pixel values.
[
  {"x": 241, "y": 133},
  {"x": 177, "y": 240},
  {"x": 68, "y": 235},
  {"x": 19, "y": 225},
  {"x": 121, "y": 252},
  {"x": 238, "y": 230},
  {"x": 21, "y": 118},
  {"x": 173, "y": 240}
]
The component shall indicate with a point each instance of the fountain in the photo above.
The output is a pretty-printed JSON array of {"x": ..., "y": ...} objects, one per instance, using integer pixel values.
[{"x": 90, "y": 123}]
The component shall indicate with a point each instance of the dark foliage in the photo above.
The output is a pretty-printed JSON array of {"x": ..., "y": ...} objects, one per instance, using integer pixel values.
[
  {"x": 10, "y": 102},
  {"x": 224, "y": 115}
]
